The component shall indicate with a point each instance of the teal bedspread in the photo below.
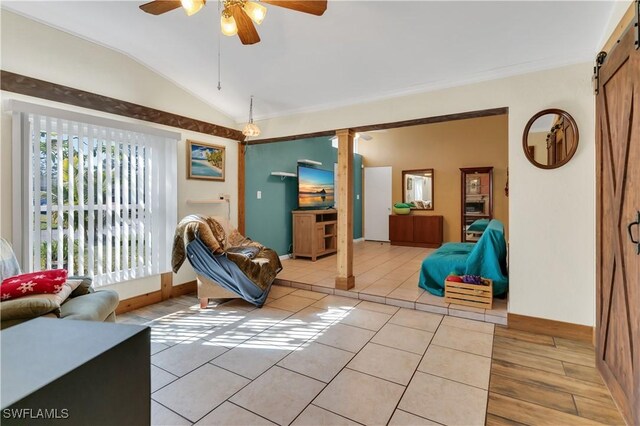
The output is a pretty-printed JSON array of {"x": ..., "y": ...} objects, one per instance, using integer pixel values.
[
  {"x": 487, "y": 258},
  {"x": 478, "y": 226}
]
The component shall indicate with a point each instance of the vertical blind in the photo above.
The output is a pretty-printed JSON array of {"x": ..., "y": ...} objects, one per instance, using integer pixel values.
[{"x": 100, "y": 195}]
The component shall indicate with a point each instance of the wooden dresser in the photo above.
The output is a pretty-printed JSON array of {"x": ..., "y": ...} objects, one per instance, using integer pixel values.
[
  {"x": 314, "y": 232},
  {"x": 415, "y": 230}
]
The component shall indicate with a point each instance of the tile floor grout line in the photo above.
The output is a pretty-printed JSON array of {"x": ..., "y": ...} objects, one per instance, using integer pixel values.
[
  {"x": 373, "y": 375},
  {"x": 243, "y": 408},
  {"x": 177, "y": 414},
  {"x": 261, "y": 374},
  {"x": 414, "y": 373},
  {"x": 335, "y": 347},
  {"x": 458, "y": 381},
  {"x": 398, "y": 349},
  {"x": 194, "y": 369},
  {"x": 227, "y": 350},
  {"x": 302, "y": 374},
  {"x": 167, "y": 371},
  {"x": 370, "y": 375},
  {"x": 422, "y": 417},
  {"x": 312, "y": 339},
  {"x": 459, "y": 350},
  {"x": 230, "y": 371},
  {"x": 345, "y": 367},
  {"x": 333, "y": 412}
]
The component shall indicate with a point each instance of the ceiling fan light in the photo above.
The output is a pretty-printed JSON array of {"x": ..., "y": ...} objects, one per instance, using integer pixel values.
[
  {"x": 251, "y": 130},
  {"x": 191, "y": 7},
  {"x": 228, "y": 25},
  {"x": 256, "y": 12}
]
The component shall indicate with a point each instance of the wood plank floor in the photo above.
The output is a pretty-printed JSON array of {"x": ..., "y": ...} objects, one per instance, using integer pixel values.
[{"x": 543, "y": 380}]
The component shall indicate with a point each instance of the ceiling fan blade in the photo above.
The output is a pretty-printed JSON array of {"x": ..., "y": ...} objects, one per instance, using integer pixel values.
[
  {"x": 158, "y": 7},
  {"x": 314, "y": 7},
  {"x": 246, "y": 30}
]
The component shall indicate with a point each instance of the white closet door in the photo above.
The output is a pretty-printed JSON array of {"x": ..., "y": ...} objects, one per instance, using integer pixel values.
[{"x": 377, "y": 203}]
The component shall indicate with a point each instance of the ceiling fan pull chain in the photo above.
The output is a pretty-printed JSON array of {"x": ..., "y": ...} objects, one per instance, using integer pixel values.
[{"x": 219, "y": 55}]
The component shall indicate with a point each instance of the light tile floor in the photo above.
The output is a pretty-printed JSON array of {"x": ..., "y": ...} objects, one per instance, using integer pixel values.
[
  {"x": 384, "y": 274},
  {"x": 314, "y": 359}
]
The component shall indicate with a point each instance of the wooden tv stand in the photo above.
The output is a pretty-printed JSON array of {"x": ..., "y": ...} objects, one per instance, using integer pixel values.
[{"x": 314, "y": 233}]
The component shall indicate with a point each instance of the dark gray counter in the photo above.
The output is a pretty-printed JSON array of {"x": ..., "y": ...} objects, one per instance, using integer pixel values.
[{"x": 75, "y": 372}]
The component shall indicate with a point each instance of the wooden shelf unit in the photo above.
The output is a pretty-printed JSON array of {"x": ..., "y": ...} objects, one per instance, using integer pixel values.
[
  {"x": 315, "y": 233},
  {"x": 483, "y": 194}
]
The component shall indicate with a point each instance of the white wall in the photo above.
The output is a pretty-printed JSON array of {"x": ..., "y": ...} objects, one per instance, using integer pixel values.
[
  {"x": 551, "y": 212},
  {"x": 42, "y": 52}
]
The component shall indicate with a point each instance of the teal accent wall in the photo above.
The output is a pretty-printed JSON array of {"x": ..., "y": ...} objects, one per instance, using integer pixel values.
[
  {"x": 357, "y": 195},
  {"x": 268, "y": 220}
]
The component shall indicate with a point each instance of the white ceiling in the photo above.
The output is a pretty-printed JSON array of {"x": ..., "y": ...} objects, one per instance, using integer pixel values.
[{"x": 357, "y": 51}]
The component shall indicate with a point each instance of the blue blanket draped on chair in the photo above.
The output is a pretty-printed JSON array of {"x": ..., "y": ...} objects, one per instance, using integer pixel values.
[
  {"x": 224, "y": 272},
  {"x": 487, "y": 258}
]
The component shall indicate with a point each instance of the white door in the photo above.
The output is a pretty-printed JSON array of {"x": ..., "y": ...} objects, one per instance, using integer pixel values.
[{"x": 377, "y": 203}]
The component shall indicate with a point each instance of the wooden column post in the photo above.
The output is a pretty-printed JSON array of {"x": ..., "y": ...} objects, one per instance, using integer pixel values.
[{"x": 345, "y": 279}]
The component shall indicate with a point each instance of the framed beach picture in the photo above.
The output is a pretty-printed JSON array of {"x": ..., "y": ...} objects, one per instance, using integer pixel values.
[{"x": 205, "y": 161}]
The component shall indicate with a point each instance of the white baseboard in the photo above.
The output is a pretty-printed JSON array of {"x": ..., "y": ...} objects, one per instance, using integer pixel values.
[{"x": 358, "y": 240}]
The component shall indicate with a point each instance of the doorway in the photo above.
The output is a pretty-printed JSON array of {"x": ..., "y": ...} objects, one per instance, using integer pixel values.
[{"x": 377, "y": 203}]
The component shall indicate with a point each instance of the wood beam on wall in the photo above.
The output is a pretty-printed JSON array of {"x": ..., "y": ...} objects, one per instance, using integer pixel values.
[
  {"x": 345, "y": 279},
  {"x": 391, "y": 125},
  {"x": 294, "y": 137},
  {"x": 29, "y": 86}
]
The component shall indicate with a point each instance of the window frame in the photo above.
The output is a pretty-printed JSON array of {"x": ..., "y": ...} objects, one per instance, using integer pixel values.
[{"x": 161, "y": 147}]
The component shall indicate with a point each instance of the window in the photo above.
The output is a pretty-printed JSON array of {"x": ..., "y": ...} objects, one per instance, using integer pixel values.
[{"x": 97, "y": 197}]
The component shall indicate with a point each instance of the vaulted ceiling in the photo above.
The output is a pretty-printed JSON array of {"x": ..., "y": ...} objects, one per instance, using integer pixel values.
[{"x": 357, "y": 51}]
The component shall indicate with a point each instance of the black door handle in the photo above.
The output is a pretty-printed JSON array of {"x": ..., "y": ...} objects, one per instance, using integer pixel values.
[{"x": 629, "y": 228}]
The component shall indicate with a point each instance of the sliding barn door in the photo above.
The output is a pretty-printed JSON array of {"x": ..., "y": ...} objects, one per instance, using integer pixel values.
[{"x": 618, "y": 231}]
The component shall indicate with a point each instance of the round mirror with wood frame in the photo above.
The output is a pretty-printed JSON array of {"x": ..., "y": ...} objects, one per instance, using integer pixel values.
[{"x": 550, "y": 138}]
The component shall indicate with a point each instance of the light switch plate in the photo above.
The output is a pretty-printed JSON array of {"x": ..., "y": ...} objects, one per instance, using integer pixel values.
[{"x": 259, "y": 195}]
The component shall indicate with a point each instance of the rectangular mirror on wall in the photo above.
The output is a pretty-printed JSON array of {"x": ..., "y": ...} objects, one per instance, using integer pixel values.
[{"x": 417, "y": 188}]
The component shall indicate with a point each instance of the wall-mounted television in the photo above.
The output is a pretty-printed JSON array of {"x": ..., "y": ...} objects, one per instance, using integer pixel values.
[{"x": 315, "y": 188}]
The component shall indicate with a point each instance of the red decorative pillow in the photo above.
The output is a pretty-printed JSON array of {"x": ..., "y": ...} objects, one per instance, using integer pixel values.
[{"x": 41, "y": 282}]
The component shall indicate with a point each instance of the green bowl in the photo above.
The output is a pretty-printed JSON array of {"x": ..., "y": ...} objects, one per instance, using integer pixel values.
[{"x": 401, "y": 210}]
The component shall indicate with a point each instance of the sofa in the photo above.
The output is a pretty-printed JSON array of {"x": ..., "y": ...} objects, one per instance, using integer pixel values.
[
  {"x": 487, "y": 258},
  {"x": 84, "y": 303}
]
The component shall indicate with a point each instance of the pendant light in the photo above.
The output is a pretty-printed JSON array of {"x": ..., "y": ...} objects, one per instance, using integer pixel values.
[{"x": 251, "y": 130}]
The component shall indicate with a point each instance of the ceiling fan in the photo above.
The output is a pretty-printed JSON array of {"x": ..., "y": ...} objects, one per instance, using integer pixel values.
[{"x": 238, "y": 16}]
